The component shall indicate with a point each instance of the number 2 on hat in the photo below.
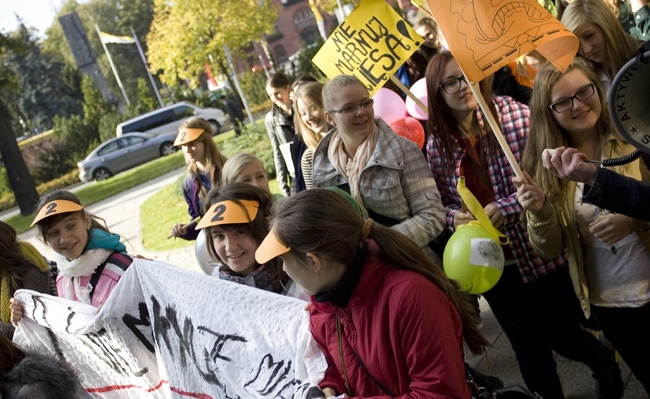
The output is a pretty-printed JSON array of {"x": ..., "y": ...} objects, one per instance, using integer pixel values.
[
  {"x": 51, "y": 208},
  {"x": 218, "y": 211}
]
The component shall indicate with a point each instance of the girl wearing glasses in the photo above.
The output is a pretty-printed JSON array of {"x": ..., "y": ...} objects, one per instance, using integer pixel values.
[
  {"x": 533, "y": 301},
  {"x": 608, "y": 253},
  {"x": 386, "y": 174}
]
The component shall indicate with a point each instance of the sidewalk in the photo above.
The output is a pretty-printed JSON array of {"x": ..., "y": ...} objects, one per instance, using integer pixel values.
[{"x": 122, "y": 214}]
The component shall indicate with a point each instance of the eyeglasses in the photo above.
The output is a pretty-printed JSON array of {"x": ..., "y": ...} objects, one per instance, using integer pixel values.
[
  {"x": 348, "y": 109},
  {"x": 452, "y": 86},
  {"x": 566, "y": 104}
]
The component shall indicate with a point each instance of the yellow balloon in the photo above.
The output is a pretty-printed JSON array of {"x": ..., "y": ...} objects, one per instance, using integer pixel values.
[{"x": 473, "y": 258}]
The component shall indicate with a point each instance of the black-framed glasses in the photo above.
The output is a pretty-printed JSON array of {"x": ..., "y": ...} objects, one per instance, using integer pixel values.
[
  {"x": 565, "y": 104},
  {"x": 452, "y": 86},
  {"x": 348, "y": 109}
]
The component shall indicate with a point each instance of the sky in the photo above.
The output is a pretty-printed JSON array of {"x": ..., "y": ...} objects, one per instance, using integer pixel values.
[{"x": 35, "y": 13}]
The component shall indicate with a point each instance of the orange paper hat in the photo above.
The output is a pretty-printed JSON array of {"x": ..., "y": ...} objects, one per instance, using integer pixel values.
[
  {"x": 187, "y": 135},
  {"x": 230, "y": 212},
  {"x": 270, "y": 248},
  {"x": 54, "y": 208}
]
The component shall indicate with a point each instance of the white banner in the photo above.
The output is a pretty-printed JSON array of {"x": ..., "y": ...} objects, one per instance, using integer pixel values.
[{"x": 171, "y": 333}]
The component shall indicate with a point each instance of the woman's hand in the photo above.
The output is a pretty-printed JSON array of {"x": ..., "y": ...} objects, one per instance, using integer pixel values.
[
  {"x": 611, "y": 228},
  {"x": 329, "y": 392},
  {"x": 529, "y": 194},
  {"x": 17, "y": 311},
  {"x": 178, "y": 230},
  {"x": 461, "y": 218},
  {"x": 495, "y": 215}
]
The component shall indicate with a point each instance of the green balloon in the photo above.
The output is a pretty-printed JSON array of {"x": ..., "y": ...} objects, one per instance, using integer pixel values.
[{"x": 473, "y": 259}]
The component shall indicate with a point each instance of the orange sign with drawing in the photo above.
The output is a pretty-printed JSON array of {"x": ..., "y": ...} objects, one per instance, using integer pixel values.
[{"x": 483, "y": 35}]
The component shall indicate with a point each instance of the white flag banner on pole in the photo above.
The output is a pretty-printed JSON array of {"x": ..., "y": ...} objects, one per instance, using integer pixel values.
[
  {"x": 166, "y": 332},
  {"x": 108, "y": 38}
]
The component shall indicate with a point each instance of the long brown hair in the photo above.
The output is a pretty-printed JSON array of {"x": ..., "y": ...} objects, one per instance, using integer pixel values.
[
  {"x": 549, "y": 134},
  {"x": 10, "y": 355},
  {"x": 311, "y": 94},
  {"x": 322, "y": 222},
  {"x": 620, "y": 46},
  {"x": 257, "y": 228},
  {"x": 214, "y": 159},
  {"x": 13, "y": 264},
  {"x": 442, "y": 125}
]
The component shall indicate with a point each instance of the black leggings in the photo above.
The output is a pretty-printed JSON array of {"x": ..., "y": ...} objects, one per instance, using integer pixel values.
[
  {"x": 540, "y": 318},
  {"x": 627, "y": 329}
]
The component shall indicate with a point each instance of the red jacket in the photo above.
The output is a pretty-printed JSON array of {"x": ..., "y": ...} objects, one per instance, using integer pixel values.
[{"x": 405, "y": 330}]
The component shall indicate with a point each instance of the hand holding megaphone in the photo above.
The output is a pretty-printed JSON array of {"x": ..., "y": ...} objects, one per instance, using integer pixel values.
[{"x": 568, "y": 163}]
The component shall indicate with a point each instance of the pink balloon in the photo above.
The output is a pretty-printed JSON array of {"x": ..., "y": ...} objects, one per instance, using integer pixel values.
[
  {"x": 419, "y": 90},
  {"x": 389, "y": 106}
]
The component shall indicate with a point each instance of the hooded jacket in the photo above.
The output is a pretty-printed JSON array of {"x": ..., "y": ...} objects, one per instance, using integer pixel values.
[{"x": 40, "y": 376}]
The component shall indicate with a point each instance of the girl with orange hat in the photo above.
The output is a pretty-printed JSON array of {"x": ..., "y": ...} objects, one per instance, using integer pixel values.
[{"x": 204, "y": 164}]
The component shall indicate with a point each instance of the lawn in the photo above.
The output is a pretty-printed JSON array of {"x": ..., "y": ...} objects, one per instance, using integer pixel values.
[{"x": 95, "y": 192}]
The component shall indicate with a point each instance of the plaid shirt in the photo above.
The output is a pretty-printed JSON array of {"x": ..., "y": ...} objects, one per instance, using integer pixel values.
[
  {"x": 514, "y": 120},
  {"x": 396, "y": 184}
]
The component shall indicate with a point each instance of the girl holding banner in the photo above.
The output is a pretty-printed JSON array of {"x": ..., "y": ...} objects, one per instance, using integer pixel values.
[
  {"x": 91, "y": 259},
  {"x": 533, "y": 301},
  {"x": 609, "y": 254},
  {"x": 388, "y": 320}
]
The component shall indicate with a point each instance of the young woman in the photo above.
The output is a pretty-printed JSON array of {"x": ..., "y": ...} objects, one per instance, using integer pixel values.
[
  {"x": 608, "y": 253},
  {"x": 386, "y": 317},
  {"x": 633, "y": 15},
  {"x": 205, "y": 162},
  {"x": 91, "y": 260},
  {"x": 602, "y": 38},
  {"x": 533, "y": 301},
  {"x": 310, "y": 123},
  {"x": 26, "y": 375},
  {"x": 245, "y": 167},
  {"x": 21, "y": 267},
  {"x": 386, "y": 174},
  {"x": 236, "y": 223}
]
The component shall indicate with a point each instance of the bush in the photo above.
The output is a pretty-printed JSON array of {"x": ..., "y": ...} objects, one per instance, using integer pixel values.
[
  {"x": 8, "y": 200},
  {"x": 255, "y": 140}
]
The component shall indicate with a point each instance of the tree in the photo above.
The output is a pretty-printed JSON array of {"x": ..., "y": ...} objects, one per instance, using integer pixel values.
[
  {"x": 116, "y": 17},
  {"x": 46, "y": 87},
  {"x": 186, "y": 33},
  {"x": 20, "y": 180}
]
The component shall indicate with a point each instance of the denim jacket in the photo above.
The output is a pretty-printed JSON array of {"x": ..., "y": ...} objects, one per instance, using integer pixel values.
[{"x": 395, "y": 184}]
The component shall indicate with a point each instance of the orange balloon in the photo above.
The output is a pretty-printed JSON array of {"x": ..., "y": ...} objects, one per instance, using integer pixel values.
[{"x": 409, "y": 128}]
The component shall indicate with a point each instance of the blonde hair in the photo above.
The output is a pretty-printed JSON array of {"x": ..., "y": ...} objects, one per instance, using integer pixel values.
[
  {"x": 331, "y": 88},
  {"x": 236, "y": 164},
  {"x": 214, "y": 159},
  {"x": 620, "y": 46},
  {"x": 547, "y": 133},
  {"x": 311, "y": 93}
]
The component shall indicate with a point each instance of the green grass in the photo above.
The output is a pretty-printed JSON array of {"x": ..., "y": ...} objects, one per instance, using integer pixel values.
[
  {"x": 156, "y": 227},
  {"x": 98, "y": 191}
]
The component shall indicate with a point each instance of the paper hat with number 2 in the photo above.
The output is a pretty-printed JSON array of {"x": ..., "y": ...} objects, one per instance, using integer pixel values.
[
  {"x": 188, "y": 135},
  {"x": 230, "y": 212},
  {"x": 270, "y": 248},
  {"x": 56, "y": 207}
]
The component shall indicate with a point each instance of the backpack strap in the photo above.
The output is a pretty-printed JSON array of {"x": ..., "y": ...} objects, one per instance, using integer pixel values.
[{"x": 121, "y": 260}]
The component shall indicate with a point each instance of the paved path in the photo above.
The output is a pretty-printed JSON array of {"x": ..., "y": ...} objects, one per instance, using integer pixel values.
[{"x": 122, "y": 214}]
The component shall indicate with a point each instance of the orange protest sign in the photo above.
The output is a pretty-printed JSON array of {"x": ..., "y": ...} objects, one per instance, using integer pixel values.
[{"x": 483, "y": 35}]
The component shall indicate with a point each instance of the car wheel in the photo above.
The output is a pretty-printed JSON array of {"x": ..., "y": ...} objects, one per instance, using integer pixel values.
[
  {"x": 102, "y": 174},
  {"x": 216, "y": 127},
  {"x": 167, "y": 148}
]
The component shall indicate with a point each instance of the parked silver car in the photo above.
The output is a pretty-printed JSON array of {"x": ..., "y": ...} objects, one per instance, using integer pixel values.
[{"x": 122, "y": 153}]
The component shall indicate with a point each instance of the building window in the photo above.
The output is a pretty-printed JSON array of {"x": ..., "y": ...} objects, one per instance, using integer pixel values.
[
  {"x": 304, "y": 17},
  {"x": 280, "y": 53},
  {"x": 310, "y": 35}
]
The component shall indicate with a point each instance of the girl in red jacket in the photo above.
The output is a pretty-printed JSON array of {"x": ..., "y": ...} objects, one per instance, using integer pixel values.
[{"x": 386, "y": 317}]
